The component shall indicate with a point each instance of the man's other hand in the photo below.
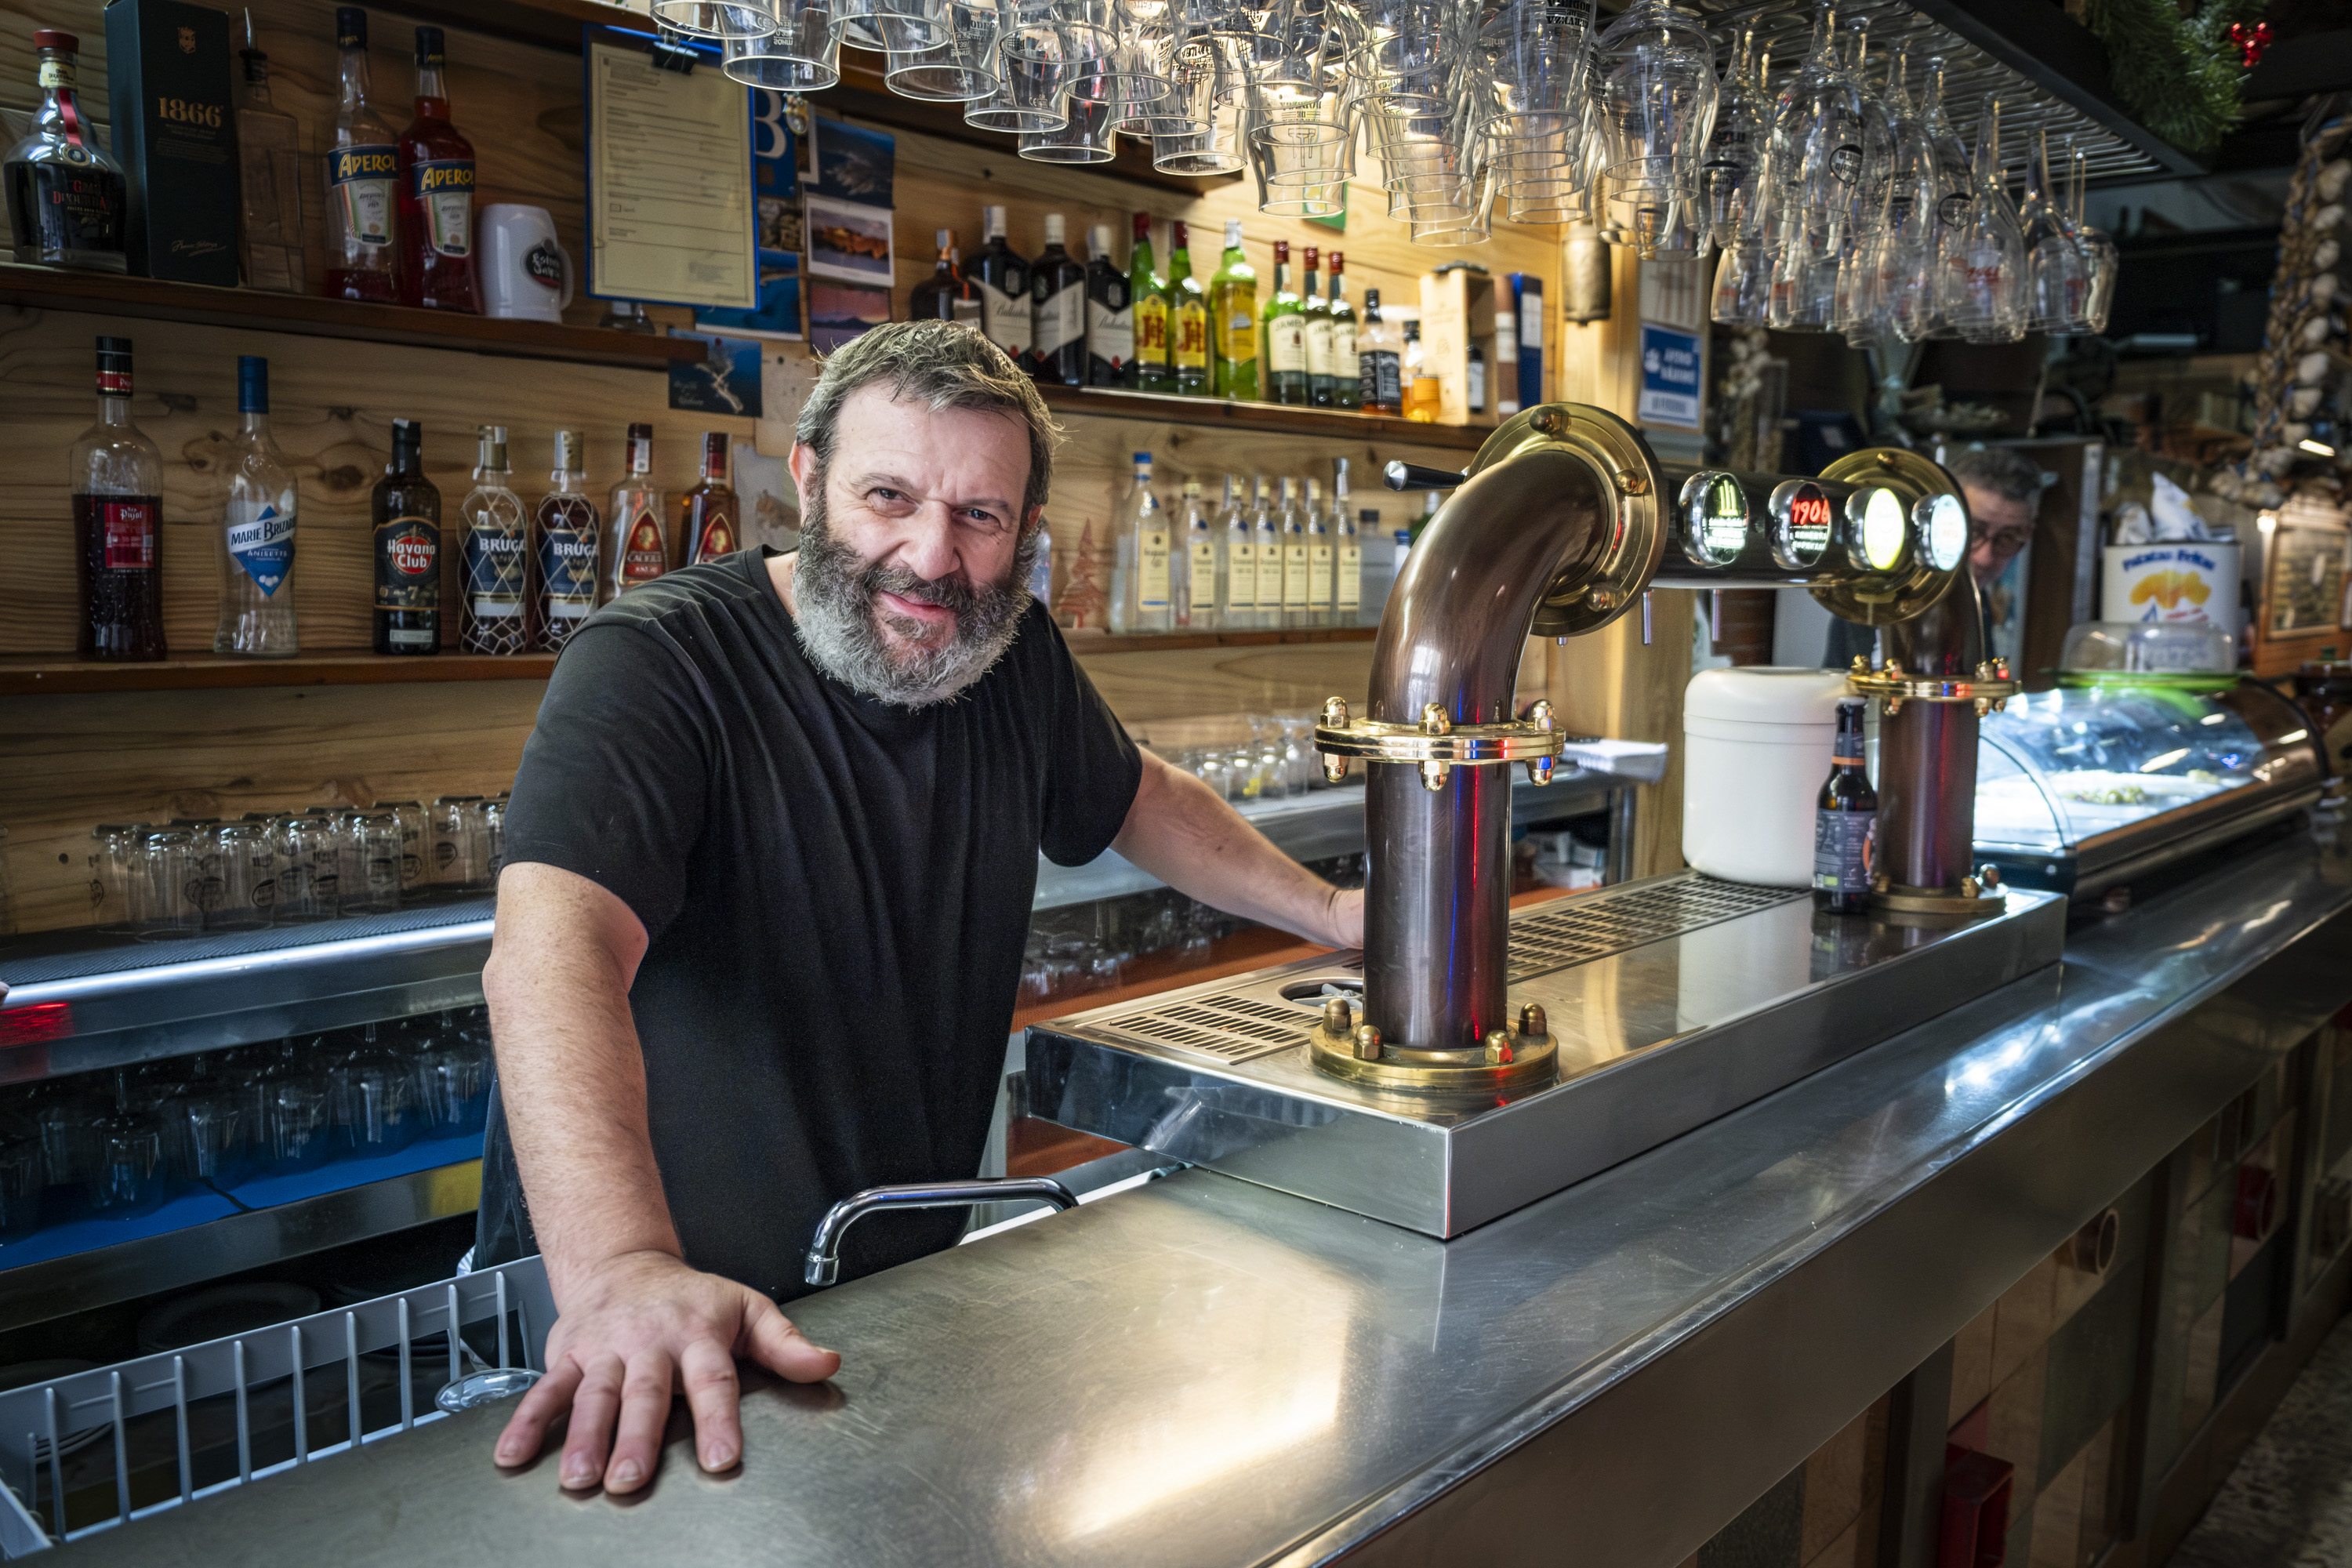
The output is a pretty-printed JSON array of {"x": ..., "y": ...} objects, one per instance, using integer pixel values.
[
  {"x": 1347, "y": 922},
  {"x": 640, "y": 1325}
]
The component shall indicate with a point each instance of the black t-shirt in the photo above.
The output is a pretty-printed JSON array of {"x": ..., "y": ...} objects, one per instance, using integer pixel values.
[{"x": 837, "y": 892}]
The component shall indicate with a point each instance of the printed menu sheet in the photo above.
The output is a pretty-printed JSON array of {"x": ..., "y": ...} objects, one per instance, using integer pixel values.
[{"x": 670, "y": 205}]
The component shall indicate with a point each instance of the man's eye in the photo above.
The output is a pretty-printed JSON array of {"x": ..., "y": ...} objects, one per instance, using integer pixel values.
[
  {"x": 987, "y": 519},
  {"x": 883, "y": 492}
]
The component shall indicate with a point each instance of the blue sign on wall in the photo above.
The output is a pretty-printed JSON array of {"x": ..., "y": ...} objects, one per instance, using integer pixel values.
[{"x": 1670, "y": 366}]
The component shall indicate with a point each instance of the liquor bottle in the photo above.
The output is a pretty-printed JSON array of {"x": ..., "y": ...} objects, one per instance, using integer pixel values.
[
  {"x": 257, "y": 555},
  {"x": 1188, "y": 316},
  {"x": 1232, "y": 318},
  {"x": 1236, "y": 562},
  {"x": 1110, "y": 316},
  {"x": 67, "y": 205},
  {"x": 1193, "y": 594},
  {"x": 1421, "y": 390},
  {"x": 640, "y": 541},
  {"x": 1475, "y": 379},
  {"x": 1379, "y": 368},
  {"x": 1265, "y": 524},
  {"x": 1283, "y": 342},
  {"x": 1318, "y": 558},
  {"x": 1141, "y": 572},
  {"x": 1346, "y": 554},
  {"x": 707, "y": 519},
  {"x": 565, "y": 542},
  {"x": 1347, "y": 392},
  {"x": 497, "y": 554},
  {"x": 1005, "y": 312},
  {"x": 270, "y": 180},
  {"x": 1154, "y": 371},
  {"x": 944, "y": 296},
  {"x": 1057, "y": 297},
  {"x": 1842, "y": 823},
  {"x": 407, "y": 510},
  {"x": 1297, "y": 559},
  {"x": 1315, "y": 312},
  {"x": 118, "y": 511},
  {"x": 362, "y": 180},
  {"x": 436, "y": 195}
]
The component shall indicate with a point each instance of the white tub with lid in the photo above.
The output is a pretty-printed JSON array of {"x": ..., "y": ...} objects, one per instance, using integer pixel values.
[{"x": 1756, "y": 747}]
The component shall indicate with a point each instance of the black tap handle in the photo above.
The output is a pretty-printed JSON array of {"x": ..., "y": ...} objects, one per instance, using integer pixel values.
[{"x": 1405, "y": 476}]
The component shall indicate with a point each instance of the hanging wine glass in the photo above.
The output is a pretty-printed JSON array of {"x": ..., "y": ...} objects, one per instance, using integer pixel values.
[
  {"x": 1907, "y": 275},
  {"x": 1877, "y": 128},
  {"x": 2057, "y": 282},
  {"x": 1743, "y": 285},
  {"x": 1730, "y": 170},
  {"x": 2099, "y": 254},
  {"x": 1954, "y": 192},
  {"x": 1983, "y": 283},
  {"x": 1817, "y": 142}
]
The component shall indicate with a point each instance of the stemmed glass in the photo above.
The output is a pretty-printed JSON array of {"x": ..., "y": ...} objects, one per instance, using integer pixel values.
[
  {"x": 1955, "y": 192},
  {"x": 1658, "y": 99},
  {"x": 1982, "y": 286},
  {"x": 2099, "y": 256},
  {"x": 1732, "y": 168},
  {"x": 2057, "y": 281}
]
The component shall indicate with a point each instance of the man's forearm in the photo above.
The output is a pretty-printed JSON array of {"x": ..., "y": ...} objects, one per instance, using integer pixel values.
[
  {"x": 1184, "y": 833},
  {"x": 571, "y": 1074}
]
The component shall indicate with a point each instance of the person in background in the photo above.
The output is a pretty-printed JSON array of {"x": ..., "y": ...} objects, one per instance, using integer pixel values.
[{"x": 2002, "y": 487}]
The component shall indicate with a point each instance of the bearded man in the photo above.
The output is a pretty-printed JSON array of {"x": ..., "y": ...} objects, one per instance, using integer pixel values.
[{"x": 767, "y": 880}]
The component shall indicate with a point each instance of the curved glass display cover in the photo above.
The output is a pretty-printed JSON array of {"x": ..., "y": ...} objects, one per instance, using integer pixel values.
[{"x": 2057, "y": 768}]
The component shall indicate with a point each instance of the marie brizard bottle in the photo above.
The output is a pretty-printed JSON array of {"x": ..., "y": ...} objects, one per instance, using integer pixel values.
[
  {"x": 566, "y": 534},
  {"x": 436, "y": 195},
  {"x": 709, "y": 521},
  {"x": 1847, "y": 811},
  {"x": 497, "y": 574},
  {"x": 640, "y": 540},
  {"x": 117, "y": 475},
  {"x": 67, "y": 203},
  {"x": 406, "y": 509},
  {"x": 362, "y": 180},
  {"x": 257, "y": 554}
]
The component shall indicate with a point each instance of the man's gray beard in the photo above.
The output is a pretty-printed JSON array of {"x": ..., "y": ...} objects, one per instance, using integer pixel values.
[{"x": 840, "y": 622}]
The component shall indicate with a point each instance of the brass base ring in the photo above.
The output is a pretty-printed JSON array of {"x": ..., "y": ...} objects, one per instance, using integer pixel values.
[
  {"x": 1966, "y": 903},
  {"x": 1530, "y": 1062}
]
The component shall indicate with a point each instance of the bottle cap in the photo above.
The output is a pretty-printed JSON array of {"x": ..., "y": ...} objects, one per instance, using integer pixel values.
[
  {"x": 350, "y": 28},
  {"x": 1412, "y": 329},
  {"x": 1098, "y": 241},
  {"x": 567, "y": 452},
  {"x": 407, "y": 436},
  {"x": 428, "y": 46},
  {"x": 252, "y": 384},
  {"x": 1143, "y": 459},
  {"x": 1311, "y": 258},
  {"x": 991, "y": 221},
  {"x": 114, "y": 366},
  {"x": 1281, "y": 252},
  {"x": 641, "y": 431},
  {"x": 1054, "y": 232},
  {"x": 1335, "y": 262},
  {"x": 1143, "y": 226},
  {"x": 944, "y": 240},
  {"x": 1233, "y": 234},
  {"x": 56, "y": 38},
  {"x": 1179, "y": 234},
  {"x": 1371, "y": 299},
  {"x": 492, "y": 439}
]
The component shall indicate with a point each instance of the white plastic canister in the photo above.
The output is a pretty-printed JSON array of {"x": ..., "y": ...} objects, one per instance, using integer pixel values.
[{"x": 1756, "y": 747}]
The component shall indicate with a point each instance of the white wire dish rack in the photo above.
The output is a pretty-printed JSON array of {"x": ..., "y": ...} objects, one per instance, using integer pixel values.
[{"x": 83, "y": 1452}]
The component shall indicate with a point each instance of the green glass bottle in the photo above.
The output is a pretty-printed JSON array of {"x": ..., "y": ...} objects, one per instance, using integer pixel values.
[
  {"x": 1233, "y": 320},
  {"x": 1154, "y": 371},
  {"x": 1283, "y": 343},
  {"x": 1188, "y": 316}
]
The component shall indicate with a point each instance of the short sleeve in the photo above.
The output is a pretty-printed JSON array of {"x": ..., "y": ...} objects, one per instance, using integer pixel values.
[
  {"x": 1092, "y": 766},
  {"x": 613, "y": 780}
]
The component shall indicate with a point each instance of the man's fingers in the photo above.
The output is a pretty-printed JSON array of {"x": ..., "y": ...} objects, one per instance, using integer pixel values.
[
  {"x": 537, "y": 1408},
  {"x": 774, "y": 1343},
  {"x": 707, "y": 1373},
  {"x": 645, "y": 1411},
  {"x": 593, "y": 1409}
]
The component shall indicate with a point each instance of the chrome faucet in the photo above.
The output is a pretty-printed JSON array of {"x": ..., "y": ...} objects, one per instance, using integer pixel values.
[{"x": 823, "y": 1265}]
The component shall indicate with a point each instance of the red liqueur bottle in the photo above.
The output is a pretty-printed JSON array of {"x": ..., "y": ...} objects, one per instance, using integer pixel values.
[
  {"x": 436, "y": 195},
  {"x": 118, "y": 511}
]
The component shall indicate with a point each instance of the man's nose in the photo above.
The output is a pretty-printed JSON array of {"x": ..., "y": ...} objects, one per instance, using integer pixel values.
[{"x": 929, "y": 548}]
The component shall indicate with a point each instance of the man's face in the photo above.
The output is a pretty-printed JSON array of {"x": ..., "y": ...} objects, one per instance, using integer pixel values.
[
  {"x": 914, "y": 546},
  {"x": 1997, "y": 529}
]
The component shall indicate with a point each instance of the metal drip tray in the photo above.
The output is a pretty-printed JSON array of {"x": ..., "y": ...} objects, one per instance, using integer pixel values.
[{"x": 1674, "y": 1001}]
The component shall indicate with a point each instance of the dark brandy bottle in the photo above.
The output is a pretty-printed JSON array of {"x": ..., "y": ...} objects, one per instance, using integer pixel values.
[
  {"x": 436, "y": 195},
  {"x": 118, "y": 513},
  {"x": 708, "y": 515},
  {"x": 1848, "y": 811},
  {"x": 407, "y": 512},
  {"x": 947, "y": 295}
]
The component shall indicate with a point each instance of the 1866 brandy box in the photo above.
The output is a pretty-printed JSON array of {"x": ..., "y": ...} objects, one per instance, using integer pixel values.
[{"x": 167, "y": 66}]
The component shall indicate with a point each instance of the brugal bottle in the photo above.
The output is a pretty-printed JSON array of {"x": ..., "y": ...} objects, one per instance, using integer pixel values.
[{"x": 1843, "y": 827}]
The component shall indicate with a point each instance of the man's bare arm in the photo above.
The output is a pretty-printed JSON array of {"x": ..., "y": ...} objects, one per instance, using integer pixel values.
[
  {"x": 1184, "y": 833},
  {"x": 634, "y": 1321}
]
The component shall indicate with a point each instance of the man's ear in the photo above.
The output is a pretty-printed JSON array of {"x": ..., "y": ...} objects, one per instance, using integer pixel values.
[
  {"x": 1033, "y": 520},
  {"x": 804, "y": 465}
]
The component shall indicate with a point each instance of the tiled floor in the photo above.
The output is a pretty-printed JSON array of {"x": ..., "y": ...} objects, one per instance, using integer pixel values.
[{"x": 2289, "y": 1502}]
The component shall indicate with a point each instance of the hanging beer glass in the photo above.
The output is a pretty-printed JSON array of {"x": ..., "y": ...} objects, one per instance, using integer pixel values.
[
  {"x": 2057, "y": 280},
  {"x": 706, "y": 19},
  {"x": 1982, "y": 286},
  {"x": 1732, "y": 165},
  {"x": 802, "y": 55},
  {"x": 1033, "y": 80},
  {"x": 1197, "y": 131},
  {"x": 1300, "y": 126},
  {"x": 1085, "y": 138},
  {"x": 2099, "y": 257},
  {"x": 960, "y": 69},
  {"x": 1816, "y": 161},
  {"x": 1657, "y": 99},
  {"x": 1532, "y": 54},
  {"x": 888, "y": 26},
  {"x": 1137, "y": 81}
]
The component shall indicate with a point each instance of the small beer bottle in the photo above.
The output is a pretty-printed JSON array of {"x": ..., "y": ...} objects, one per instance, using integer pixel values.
[{"x": 1848, "y": 811}]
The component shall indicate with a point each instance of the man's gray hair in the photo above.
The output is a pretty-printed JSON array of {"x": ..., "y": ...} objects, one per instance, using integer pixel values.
[
  {"x": 2003, "y": 470},
  {"x": 941, "y": 365}
]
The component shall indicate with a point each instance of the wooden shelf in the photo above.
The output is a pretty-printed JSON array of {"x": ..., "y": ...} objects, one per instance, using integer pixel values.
[
  {"x": 1335, "y": 423},
  {"x": 1084, "y": 643},
  {"x": 41, "y": 677},
  {"x": 255, "y": 310}
]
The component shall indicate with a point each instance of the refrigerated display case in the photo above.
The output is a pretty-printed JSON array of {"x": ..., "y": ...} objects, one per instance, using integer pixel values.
[{"x": 2085, "y": 787}]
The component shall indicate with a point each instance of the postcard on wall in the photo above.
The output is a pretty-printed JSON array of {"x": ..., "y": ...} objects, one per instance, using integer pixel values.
[
  {"x": 840, "y": 311},
  {"x": 767, "y": 499},
  {"x": 854, "y": 164},
  {"x": 849, "y": 241},
  {"x": 671, "y": 215},
  {"x": 776, "y": 189},
  {"x": 725, "y": 379}
]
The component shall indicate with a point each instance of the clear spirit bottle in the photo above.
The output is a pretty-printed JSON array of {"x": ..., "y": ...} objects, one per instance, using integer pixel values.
[
  {"x": 256, "y": 551},
  {"x": 1318, "y": 558},
  {"x": 497, "y": 554},
  {"x": 1140, "y": 581},
  {"x": 1195, "y": 563},
  {"x": 1346, "y": 554},
  {"x": 270, "y": 180},
  {"x": 1236, "y": 562},
  {"x": 1265, "y": 523},
  {"x": 1297, "y": 562}
]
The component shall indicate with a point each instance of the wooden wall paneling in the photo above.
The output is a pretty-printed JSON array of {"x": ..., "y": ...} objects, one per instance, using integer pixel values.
[{"x": 1153, "y": 693}]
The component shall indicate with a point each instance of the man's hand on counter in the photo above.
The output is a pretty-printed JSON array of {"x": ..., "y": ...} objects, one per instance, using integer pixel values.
[{"x": 640, "y": 1325}]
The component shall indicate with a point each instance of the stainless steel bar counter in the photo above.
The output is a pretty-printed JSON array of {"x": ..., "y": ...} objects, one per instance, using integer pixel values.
[{"x": 1205, "y": 1372}]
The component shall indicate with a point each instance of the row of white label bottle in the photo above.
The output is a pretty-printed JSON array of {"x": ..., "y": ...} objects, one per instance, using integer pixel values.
[{"x": 1273, "y": 555}]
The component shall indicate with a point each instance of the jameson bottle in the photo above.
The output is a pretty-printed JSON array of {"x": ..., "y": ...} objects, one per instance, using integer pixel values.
[
  {"x": 408, "y": 514},
  {"x": 1346, "y": 386},
  {"x": 1154, "y": 372},
  {"x": 1188, "y": 318},
  {"x": 1058, "y": 298},
  {"x": 565, "y": 536},
  {"x": 1006, "y": 313},
  {"x": 118, "y": 511},
  {"x": 1233, "y": 320},
  {"x": 1283, "y": 344},
  {"x": 1847, "y": 811},
  {"x": 640, "y": 543},
  {"x": 1110, "y": 315},
  {"x": 362, "y": 180},
  {"x": 436, "y": 195},
  {"x": 709, "y": 520},
  {"x": 496, "y": 556},
  {"x": 1315, "y": 311},
  {"x": 67, "y": 200},
  {"x": 257, "y": 556}
]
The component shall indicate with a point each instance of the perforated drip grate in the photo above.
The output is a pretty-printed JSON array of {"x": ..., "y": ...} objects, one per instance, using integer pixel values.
[
  {"x": 1236, "y": 1029},
  {"x": 1601, "y": 923}
]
